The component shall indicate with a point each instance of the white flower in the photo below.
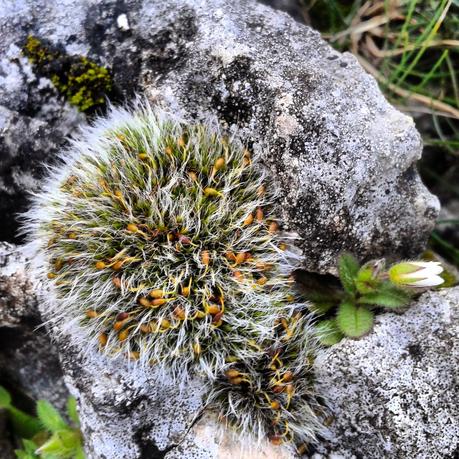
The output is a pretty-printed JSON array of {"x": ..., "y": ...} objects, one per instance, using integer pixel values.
[{"x": 417, "y": 273}]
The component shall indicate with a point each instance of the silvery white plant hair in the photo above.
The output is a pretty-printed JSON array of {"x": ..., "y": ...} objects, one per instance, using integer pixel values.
[{"x": 156, "y": 239}]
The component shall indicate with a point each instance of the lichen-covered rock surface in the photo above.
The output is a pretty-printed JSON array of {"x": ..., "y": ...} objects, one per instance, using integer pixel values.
[
  {"x": 342, "y": 157},
  {"x": 395, "y": 393}
]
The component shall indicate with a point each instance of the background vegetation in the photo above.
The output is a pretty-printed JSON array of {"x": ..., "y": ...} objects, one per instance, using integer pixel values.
[{"x": 412, "y": 48}]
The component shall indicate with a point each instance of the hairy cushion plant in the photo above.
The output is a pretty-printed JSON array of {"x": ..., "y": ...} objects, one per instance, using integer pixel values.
[
  {"x": 270, "y": 393},
  {"x": 156, "y": 240}
]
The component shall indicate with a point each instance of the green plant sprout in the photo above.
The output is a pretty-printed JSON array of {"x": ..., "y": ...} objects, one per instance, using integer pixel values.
[
  {"x": 48, "y": 435},
  {"x": 350, "y": 310}
]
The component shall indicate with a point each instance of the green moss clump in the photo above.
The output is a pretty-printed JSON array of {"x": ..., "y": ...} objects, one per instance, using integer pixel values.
[{"x": 81, "y": 81}]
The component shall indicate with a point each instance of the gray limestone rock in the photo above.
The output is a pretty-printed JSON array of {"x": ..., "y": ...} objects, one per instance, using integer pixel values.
[
  {"x": 395, "y": 393},
  {"x": 342, "y": 157}
]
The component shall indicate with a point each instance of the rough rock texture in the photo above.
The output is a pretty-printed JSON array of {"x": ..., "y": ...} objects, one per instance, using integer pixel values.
[
  {"x": 395, "y": 393},
  {"x": 341, "y": 155}
]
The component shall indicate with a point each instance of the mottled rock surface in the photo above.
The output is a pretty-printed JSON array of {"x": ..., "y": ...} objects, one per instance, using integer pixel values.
[
  {"x": 343, "y": 158},
  {"x": 395, "y": 393}
]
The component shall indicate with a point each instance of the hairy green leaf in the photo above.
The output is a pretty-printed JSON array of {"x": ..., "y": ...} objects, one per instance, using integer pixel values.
[
  {"x": 387, "y": 295},
  {"x": 328, "y": 332},
  {"x": 27, "y": 451},
  {"x": 348, "y": 267},
  {"x": 50, "y": 417},
  {"x": 24, "y": 425},
  {"x": 353, "y": 320},
  {"x": 5, "y": 398},
  {"x": 63, "y": 444},
  {"x": 366, "y": 281},
  {"x": 72, "y": 410}
]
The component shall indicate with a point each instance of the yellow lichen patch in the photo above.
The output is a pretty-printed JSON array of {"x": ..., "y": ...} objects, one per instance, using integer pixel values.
[{"x": 81, "y": 81}]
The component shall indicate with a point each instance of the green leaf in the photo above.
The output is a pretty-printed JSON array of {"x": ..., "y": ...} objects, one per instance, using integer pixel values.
[
  {"x": 365, "y": 280},
  {"x": 24, "y": 425},
  {"x": 72, "y": 410},
  {"x": 27, "y": 451},
  {"x": 5, "y": 398},
  {"x": 388, "y": 296},
  {"x": 348, "y": 267},
  {"x": 320, "y": 308},
  {"x": 353, "y": 320},
  {"x": 50, "y": 417},
  {"x": 328, "y": 332},
  {"x": 63, "y": 443}
]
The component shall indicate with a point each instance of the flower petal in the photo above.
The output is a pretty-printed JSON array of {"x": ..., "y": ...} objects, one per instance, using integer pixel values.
[
  {"x": 433, "y": 267},
  {"x": 431, "y": 281}
]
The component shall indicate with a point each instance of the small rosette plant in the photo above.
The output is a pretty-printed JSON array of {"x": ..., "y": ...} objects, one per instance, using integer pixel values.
[{"x": 349, "y": 309}]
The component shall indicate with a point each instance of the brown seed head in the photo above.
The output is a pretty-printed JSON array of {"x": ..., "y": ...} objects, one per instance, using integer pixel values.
[
  {"x": 118, "y": 325},
  {"x": 275, "y": 405},
  {"x": 179, "y": 312},
  {"x": 158, "y": 302},
  {"x": 122, "y": 335},
  {"x": 248, "y": 220},
  {"x": 232, "y": 373},
  {"x": 273, "y": 228},
  {"x": 165, "y": 324},
  {"x": 117, "y": 266},
  {"x": 157, "y": 293},
  {"x": 144, "y": 302},
  {"x": 205, "y": 257},
  {"x": 259, "y": 214},
  {"x": 276, "y": 440},
  {"x": 122, "y": 316},
  {"x": 116, "y": 282},
  {"x": 219, "y": 164},
  {"x": 240, "y": 258},
  {"x": 103, "y": 339},
  {"x": 213, "y": 309}
]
